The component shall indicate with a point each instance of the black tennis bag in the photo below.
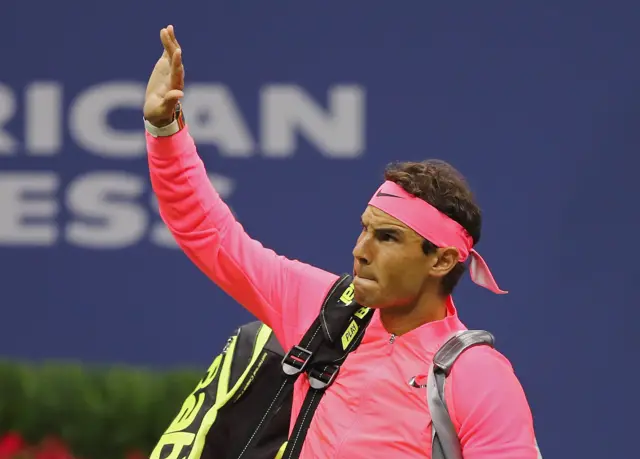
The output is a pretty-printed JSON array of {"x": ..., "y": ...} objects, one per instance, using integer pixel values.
[{"x": 241, "y": 408}]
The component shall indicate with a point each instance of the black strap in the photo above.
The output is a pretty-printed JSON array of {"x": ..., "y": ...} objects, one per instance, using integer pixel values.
[
  {"x": 335, "y": 333},
  {"x": 343, "y": 326}
]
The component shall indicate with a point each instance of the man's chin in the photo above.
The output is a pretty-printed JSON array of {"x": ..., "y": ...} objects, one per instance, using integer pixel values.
[
  {"x": 361, "y": 298},
  {"x": 365, "y": 296}
]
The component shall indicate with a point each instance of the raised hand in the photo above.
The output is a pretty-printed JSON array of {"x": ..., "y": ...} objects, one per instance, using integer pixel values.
[{"x": 166, "y": 83}]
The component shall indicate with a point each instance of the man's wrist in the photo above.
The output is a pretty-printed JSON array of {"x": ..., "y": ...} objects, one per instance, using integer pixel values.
[
  {"x": 162, "y": 131},
  {"x": 161, "y": 123},
  {"x": 166, "y": 128}
]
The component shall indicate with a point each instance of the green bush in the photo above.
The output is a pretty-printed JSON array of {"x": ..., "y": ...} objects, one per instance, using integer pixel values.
[{"x": 99, "y": 412}]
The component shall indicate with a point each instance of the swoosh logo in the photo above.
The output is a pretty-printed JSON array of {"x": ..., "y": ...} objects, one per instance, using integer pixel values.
[{"x": 381, "y": 194}]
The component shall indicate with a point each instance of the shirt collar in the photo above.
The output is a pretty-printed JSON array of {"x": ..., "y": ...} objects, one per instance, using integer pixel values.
[{"x": 429, "y": 336}]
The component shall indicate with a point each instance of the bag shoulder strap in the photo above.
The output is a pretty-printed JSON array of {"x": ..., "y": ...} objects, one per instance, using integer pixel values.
[
  {"x": 445, "y": 441},
  {"x": 336, "y": 332}
]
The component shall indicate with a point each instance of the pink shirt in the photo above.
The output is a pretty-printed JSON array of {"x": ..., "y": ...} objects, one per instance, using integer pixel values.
[{"x": 370, "y": 410}]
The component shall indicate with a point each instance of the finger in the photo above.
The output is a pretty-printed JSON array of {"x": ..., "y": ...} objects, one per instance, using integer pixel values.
[
  {"x": 177, "y": 70},
  {"x": 167, "y": 42},
  {"x": 164, "y": 52},
  {"x": 172, "y": 35}
]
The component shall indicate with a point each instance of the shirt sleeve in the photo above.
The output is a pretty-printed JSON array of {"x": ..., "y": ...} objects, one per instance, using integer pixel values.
[
  {"x": 284, "y": 294},
  {"x": 489, "y": 408}
]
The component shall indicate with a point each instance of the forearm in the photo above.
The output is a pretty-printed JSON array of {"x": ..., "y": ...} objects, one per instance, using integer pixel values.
[{"x": 268, "y": 285}]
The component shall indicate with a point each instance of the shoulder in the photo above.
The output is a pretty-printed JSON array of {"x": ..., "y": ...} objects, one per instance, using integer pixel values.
[
  {"x": 307, "y": 286},
  {"x": 478, "y": 360},
  {"x": 487, "y": 401},
  {"x": 482, "y": 376}
]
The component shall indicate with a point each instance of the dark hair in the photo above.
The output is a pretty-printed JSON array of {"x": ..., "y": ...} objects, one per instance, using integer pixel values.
[{"x": 442, "y": 186}]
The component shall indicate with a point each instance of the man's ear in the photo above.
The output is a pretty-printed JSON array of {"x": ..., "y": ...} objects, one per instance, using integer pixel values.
[{"x": 446, "y": 259}]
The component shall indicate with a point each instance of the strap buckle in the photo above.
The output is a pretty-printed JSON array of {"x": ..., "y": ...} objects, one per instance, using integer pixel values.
[
  {"x": 322, "y": 377},
  {"x": 296, "y": 360}
]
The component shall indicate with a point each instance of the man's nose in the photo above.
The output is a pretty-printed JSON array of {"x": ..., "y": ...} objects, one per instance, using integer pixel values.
[{"x": 360, "y": 251}]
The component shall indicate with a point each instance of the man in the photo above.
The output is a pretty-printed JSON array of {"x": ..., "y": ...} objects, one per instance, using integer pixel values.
[{"x": 418, "y": 229}]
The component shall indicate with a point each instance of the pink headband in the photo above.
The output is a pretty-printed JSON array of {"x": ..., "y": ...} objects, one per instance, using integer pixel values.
[{"x": 434, "y": 226}]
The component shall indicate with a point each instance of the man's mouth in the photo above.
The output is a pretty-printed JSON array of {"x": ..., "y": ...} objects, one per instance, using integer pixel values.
[{"x": 360, "y": 276}]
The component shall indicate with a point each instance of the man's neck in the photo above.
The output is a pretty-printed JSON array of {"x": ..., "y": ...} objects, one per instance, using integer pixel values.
[{"x": 399, "y": 320}]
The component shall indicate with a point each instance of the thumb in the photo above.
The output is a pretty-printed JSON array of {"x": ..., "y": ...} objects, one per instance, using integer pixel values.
[{"x": 173, "y": 96}]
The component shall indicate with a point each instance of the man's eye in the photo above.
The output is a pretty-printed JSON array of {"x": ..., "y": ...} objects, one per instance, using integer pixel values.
[{"x": 386, "y": 237}]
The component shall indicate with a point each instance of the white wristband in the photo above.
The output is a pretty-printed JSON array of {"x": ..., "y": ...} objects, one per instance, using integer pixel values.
[{"x": 164, "y": 131}]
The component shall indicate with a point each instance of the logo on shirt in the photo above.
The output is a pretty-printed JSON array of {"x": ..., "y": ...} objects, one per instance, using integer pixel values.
[{"x": 419, "y": 381}]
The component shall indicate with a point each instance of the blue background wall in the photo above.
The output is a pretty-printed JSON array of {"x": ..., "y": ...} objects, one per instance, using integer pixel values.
[{"x": 536, "y": 103}]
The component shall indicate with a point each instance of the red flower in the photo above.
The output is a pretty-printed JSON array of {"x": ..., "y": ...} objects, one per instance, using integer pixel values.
[
  {"x": 53, "y": 448},
  {"x": 10, "y": 445}
]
